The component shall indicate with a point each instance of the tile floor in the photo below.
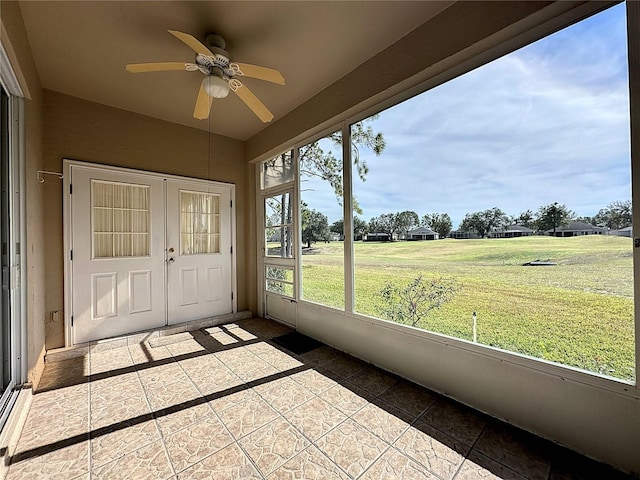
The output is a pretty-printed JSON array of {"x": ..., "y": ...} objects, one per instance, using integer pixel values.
[{"x": 228, "y": 403}]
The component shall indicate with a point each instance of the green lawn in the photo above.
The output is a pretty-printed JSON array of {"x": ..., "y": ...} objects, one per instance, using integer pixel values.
[{"x": 578, "y": 313}]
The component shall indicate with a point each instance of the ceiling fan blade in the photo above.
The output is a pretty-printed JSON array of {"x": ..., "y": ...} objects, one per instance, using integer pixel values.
[
  {"x": 192, "y": 43},
  {"x": 203, "y": 105},
  {"x": 254, "y": 104},
  {"x": 155, "y": 67},
  {"x": 262, "y": 73}
]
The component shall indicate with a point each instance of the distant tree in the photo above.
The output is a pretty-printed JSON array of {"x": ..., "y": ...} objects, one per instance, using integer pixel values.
[
  {"x": 315, "y": 226},
  {"x": 615, "y": 215},
  {"x": 586, "y": 219},
  {"x": 438, "y": 222},
  {"x": 359, "y": 227},
  {"x": 552, "y": 216},
  {"x": 526, "y": 219},
  {"x": 318, "y": 163},
  {"x": 337, "y": 228},
  {"x": 405, "y": 221},
  {"x": 484, "y": 222}
]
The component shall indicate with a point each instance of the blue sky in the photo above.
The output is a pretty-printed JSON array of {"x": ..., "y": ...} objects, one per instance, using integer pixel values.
[{"x": 547, "y": 123}]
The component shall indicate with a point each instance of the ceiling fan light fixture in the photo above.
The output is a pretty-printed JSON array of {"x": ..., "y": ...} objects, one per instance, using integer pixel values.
[{"x": 215, "y": 86}]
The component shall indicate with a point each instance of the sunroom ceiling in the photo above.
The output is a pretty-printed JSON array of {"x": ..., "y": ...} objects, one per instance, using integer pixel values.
[{"x": 81, "y": 49}]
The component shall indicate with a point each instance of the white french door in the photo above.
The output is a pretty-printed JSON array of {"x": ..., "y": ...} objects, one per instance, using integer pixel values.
[
  {"x": 145, "y": 251},
  {"x": 198, "y": 251}
]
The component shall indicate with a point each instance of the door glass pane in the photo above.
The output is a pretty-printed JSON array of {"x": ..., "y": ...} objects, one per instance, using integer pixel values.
[
  {"x": 199, "y": 223},
  {"x": 120, "y": 220},
  {"x": 5, "y": 321}
]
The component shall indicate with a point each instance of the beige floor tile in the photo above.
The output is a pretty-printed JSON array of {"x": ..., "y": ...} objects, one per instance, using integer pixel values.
[
  {"x": 186, "y": 349},
  {"x": 107, "y": 392},
  {"x": 114, "y": 361},
  {"x": 384, "y": 421},
  {"x": 315, "y": 418},
  {"x": 127, "y": 437},
  {"x": 125, "y": 381},
  {"x": 247, "y": 416},
  {"x": 235, "y": 357},
  {"x": 455, "y": 420},
  {"x": 48, "y": 427},
  {"x": 260, "y": 348},
  {"x": 65, "y": 396},
  {"x": 214, "y": 381},
  {"x": 344, "y": 366},
  {"x": 311, "y": 463},
  {"x": 272, "y": 445},
  {"x": 520, "y": 452},
  {"x": 230, "y": 396},
  {"x": 66, "y": 373},
  {"x": 111, "y": 415},
  {"x": 162, "y": 375},
  {"x": 280, "y": 360},
  {"x": 394, "y": 465},
  {"x": 172, "y": 396},
  {"x": 373, "y": 380},
  {"x": 284, "y": 394},
  {"x": 320, "y": 356},
  {"x": 436, "y": 451},
  {"x": 352, "y": 447},
  {"x": 314, "y": 381},
  {"x": 347, "y": 400},
  {"x": 479, "y": 467},
  {"x": 190, "y": 445},
  {"x": 173, "y": 419},
  {"x": 408, "y": 397},
  {"x": 62, "y": 462},
  {"x": 147, "y": 463},
  {"x": 144, "y": 354},
  {"x": 230, "y": 463}
]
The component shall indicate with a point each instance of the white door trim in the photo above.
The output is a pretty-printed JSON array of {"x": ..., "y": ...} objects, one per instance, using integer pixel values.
[{"x": 68, "y": 164}]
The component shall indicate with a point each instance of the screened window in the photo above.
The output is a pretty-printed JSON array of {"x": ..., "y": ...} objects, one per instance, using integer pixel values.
[
  {"x": 120, "y": 220},
  {"x": 278, "y": 223},
  {"x": 279, "y": 280},
  {"x": 199, "y": 223},
  {"x": 277, "y": 171}
]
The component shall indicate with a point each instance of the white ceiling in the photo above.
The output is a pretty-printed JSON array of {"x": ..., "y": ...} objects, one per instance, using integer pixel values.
[{"x": 81, "y": 48}]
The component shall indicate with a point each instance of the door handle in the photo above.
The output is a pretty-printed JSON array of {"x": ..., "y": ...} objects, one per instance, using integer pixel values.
[{"x": 171, "y": 260}]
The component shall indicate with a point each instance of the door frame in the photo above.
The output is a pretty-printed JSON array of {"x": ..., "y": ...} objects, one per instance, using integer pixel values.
[{"x": 68, "y": 165}]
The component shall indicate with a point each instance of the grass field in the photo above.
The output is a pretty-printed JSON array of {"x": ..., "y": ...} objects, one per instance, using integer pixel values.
[{"x": 578, "y": 313}]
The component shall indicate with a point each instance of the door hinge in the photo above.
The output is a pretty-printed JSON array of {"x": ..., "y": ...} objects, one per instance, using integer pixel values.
[
  {"x": 70, "y": 189},
  {"x": 71, "y": 255},
  {"x": 231, "y": 295},
  {"x": 232, "y": 250},
  {"x": 231, "y": 203},
  {"x": 72, "y": 320}
]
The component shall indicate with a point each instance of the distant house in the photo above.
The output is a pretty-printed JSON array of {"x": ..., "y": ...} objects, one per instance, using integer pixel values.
[
  {"x": 576, "y": 229},
  {"x": 461, "y": 235},
  {"x": 377, "y": 237},
  {"x": 512, "y": 231},
  {"x": 422, "y": 233},
  {"x": 622, "y": 232}
]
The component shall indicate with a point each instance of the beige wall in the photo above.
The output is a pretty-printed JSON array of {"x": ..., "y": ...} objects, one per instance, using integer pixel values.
[
  {"x": 34, "y": 247},
  {"x": 82, "y": 130}
]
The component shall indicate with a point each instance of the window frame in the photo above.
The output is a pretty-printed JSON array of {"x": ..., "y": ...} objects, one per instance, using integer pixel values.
[{"x": 507, "y": 43}]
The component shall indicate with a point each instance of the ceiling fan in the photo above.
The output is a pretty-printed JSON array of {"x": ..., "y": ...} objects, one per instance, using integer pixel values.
[{"x": 220, "y": 74}]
